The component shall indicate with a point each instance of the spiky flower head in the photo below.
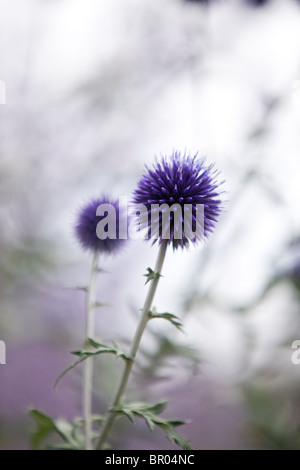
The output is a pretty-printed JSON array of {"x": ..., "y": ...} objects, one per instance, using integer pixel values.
[
  {"x": 107, "y": 212},
  {"x": 189, "y": 184}
]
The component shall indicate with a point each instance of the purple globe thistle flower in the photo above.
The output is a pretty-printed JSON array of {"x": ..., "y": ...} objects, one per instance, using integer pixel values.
[
  {"x": 187, "y": 183},
  {"x": 112, "y": 234}
]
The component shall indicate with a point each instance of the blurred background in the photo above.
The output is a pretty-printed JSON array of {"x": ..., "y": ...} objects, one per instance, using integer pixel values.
[{"x": 94, "y": 90}]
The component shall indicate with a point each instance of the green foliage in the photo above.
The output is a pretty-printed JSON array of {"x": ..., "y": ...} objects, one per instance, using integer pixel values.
[
  {"x": 70, "y": 433},
  {"x": 151, "y": 275},
  {"x": 166, "y": 316},
  {"x": 47, "y": 426},
  {"x": 150, "y": 414},
  {"x": 94, "y": 348}
]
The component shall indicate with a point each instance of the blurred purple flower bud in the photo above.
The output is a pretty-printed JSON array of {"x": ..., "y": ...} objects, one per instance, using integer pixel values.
[{"x": 113, "y": 220}]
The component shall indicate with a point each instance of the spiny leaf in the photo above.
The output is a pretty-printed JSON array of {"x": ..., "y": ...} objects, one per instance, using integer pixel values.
[
  {"x": 93, "y": 348},
  {"x": 140, "y": 408},
  {"x": 47, "y": 426},
  {"x": 70, "y": 433},
  {"x": 150, "y": 414},
  {"x": 156, "y": 408},
  {"x": 167, "y": 316},
  {"x": 150, "y": 275},
  {"x": 99, "y": 348}
]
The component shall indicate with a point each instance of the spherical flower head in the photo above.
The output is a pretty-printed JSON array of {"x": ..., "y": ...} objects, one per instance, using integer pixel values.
[
  {"x": 182, "y": 186},
  {"x": 101, "y": 226}
]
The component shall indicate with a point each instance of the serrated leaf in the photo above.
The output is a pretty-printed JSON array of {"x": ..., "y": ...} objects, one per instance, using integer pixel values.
[
  {"x": 150, "y": 414},
  {"x": 47, "y": 426},
  {"x": 156, "y": 408},
  {"x": 141, "y": 408},
  {"x": 150, "y": 275},
  {"x": 93, "y": 348},
  {"x": 167, "y": 316},
  {"x": 99, "y": 348}
]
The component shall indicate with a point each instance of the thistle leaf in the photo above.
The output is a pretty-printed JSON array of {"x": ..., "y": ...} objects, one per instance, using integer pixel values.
[
  {"x": 167, "y": 316},
  {"x": 99, "y": 348},
  {"x": 150, "y": 414},
  {"x": 150, "y": 275},
  {"x": 46, "y": 426},
  {"x": 93, "y": 348}
]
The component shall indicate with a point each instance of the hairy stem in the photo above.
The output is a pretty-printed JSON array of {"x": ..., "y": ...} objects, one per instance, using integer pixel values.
[
  {"x": 135, "y": 346},
  {"x": 89, "y": 363}
]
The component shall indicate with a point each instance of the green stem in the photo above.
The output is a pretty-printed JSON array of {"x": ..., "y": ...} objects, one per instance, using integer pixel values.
[
  {"x": 89, "y": 364},
  {"x": 135, "y": 346}
]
